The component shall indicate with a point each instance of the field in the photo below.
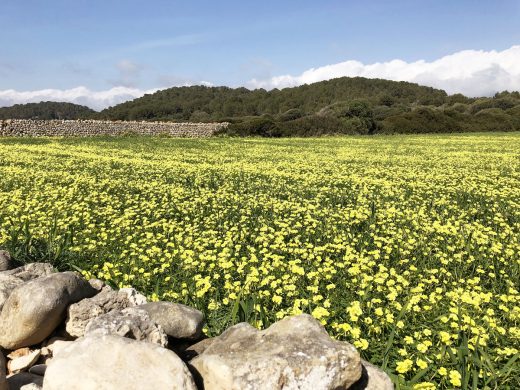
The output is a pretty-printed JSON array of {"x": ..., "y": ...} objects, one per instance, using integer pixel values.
[{"x": 406, "y": 246}]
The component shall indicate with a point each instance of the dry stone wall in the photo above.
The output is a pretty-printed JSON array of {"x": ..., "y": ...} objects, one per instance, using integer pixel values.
[{"x": 89, "y": 128}]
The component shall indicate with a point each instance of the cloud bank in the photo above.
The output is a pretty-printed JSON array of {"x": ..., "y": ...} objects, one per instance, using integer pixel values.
[
  {"x": 80, "y": 95},
  {"x": 471, "y": 72}
]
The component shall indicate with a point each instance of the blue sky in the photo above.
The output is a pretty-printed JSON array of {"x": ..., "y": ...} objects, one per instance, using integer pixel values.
[{"x": 143, "y": 45}]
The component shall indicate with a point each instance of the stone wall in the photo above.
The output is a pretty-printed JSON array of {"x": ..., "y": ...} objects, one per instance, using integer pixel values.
[{"x": 89, "y": 128}]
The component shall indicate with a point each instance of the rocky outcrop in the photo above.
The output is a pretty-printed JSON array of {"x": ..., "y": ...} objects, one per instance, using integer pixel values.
[
  {"x": 81, "y": 313},
  {"x": 89, "y": 128},
  {"x": 113, "y": 362},
  {"x": 61, "y": 332},
  {"x": 35, "y": 308},
  {"x": 132, "y": 323},
  {"x": 294, "y": 353}
]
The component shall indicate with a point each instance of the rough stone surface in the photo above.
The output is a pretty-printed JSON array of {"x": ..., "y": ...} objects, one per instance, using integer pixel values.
[
  {"x": 87, "y": 128},
  {"x": 294, "y": 353},
  {"x": 24, "y": 381},
  {"x": 31, "y": 386},
  {"x": 132, "y": 323},
  {"x": 135, "y": 297},
  {"x": 178, "y": 321},
  {"x": 30, "y": 271},
  {"x": 79, "y": 314},
  {"x": 23, "y": 363},
  {"x": 36, "y": 308},
  {"x": 99, "y": 285},
  {"x": 3, "y": 381},
  {"x": 112, "y": 362}
]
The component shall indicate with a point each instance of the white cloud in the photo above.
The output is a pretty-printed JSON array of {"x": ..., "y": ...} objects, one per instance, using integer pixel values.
[
  {"x": 471, "y": 72},
  {"x": 80, "y": 95}
]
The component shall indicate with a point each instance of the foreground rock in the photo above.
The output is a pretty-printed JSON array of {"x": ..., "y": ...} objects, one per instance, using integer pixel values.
[
  {"x": 178, "y": 321},
  {"x": 36, "y": 308},
  {"x": 3, "y": 380},
  {"x": 132, "y": 323},
  {"x": 295, "y": 353},
  {"x": 372, "y": 378},
  {"x": 13, "y": 278},
  {"x": 112, "y": 362},
  {"x": 81, "y": 313}
]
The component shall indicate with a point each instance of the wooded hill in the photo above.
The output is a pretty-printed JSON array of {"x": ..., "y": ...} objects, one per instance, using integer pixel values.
[
  {"x": 46, "y": 110},
  {"x": 339, "y": 106}
]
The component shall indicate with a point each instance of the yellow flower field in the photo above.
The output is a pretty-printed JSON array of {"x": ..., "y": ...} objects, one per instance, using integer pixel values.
[{"x": 406, "y": 246}]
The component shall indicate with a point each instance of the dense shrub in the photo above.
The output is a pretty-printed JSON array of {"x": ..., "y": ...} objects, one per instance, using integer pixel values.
[{"x": 421, "y": 120}]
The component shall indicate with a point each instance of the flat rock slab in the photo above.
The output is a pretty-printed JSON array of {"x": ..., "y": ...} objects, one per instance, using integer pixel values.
[
  {"x": 131, "y": 322},
  {"x": 34, "y": 309},
  {"x": 23, "y": 363},
  {"x": 113, "y": 362},
  {"x": 178, "y": 321},
  {"x": 294, "y": 353}
]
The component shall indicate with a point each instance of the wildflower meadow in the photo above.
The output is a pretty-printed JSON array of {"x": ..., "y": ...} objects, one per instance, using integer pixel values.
[{"x": 406, "y": 246}]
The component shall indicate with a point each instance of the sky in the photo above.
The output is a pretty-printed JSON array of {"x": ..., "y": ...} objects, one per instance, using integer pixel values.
[{"x": 100, "y": 53}]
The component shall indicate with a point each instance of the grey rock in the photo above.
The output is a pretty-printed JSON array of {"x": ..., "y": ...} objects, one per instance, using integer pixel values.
[
  {"x": 294, "y": 353},
  {"x": 79, "y": 314},
  {"x": 178, "y": 321},
  {"x": 3, "y": 380},
  {"x": 7, "y": 284},
  {"x": 36, "y": 308},
  {"x": 113, "y": 362},
  {"x": 7, "y": 262},
  {"x": 24, "y": 381},
  {"x": 372, "y": 378},
  {"x": 131, "y": 322},
  {"x": 38, "y": 369},
  {"x": 13, "y": 278}
]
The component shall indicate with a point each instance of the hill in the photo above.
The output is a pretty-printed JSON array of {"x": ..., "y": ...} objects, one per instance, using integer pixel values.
[
  {"x": 339, "y": 106},
  {"x": 46, "y": 110},
  {"x": 200, "y": 103}
]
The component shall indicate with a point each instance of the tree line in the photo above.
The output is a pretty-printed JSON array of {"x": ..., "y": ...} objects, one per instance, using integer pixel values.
[{"x": 339, "y": 106}]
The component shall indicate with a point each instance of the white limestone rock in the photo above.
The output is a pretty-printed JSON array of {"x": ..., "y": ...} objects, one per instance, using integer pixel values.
[
  {"x": 294, "y": 353},
  {"x": 131, "y": 322},
  {"x": 178, "y": 321},
  {"x": 113, "y": 362}
]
